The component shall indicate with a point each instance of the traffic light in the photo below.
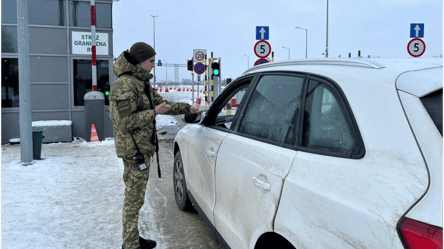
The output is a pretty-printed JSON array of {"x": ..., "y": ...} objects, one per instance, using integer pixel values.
[
  {"x": 190, "y": 65},
  {"x": 216, "y": 69},
  {"x": 107, "y": 89}
]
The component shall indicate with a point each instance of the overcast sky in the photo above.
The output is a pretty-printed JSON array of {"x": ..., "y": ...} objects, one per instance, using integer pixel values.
[{"x": 228, "y": 29}]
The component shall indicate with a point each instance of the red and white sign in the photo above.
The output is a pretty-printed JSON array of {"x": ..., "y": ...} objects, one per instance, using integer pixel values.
[
  {"x": 416, "y": 47},
  {"x": 199, "y": 68},
  {"x": 262, "y": 61},
  {"x": 262, "y": 49},
  {"x": 199, "y": 55}
]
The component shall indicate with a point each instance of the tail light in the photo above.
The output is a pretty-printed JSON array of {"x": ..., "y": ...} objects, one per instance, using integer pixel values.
[{"x": 420, "y": 235}]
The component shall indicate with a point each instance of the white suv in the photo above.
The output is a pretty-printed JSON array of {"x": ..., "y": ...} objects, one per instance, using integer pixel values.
[{"x": 327, "y": 153}]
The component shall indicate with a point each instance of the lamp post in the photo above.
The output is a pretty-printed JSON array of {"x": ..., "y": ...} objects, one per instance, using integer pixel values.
[
  {"x": 326, "y": 46},
  {"x": 306, "y": 39},
  {"x": 248, "y": 61},
  {"x": 288, "y": 51},
  {"x": 166, "y": 72},
  {"x": 154, "y": 43}
]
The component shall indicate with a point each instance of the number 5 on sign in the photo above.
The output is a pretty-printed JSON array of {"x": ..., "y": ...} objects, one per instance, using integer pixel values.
[
  {"x": 416, "y": 47},
  {"x": 262, "y": 49}
]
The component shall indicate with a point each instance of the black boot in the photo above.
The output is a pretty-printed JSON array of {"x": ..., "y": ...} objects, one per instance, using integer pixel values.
[{"x": 147, "y": 243}]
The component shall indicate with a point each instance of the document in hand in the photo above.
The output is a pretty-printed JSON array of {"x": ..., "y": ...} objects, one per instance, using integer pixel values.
[{"x": 203, "y": 108}]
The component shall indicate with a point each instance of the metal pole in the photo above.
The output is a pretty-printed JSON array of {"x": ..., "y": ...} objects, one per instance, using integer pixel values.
[
  {"x": 154, "y": 44},
  {"x": 326, "y": 46},
  {"x": 219, "y": 87},
  {"x": 192, "y": 88},
  {"x": 26, "y": 148},
  {"x": 306, "y": 40},
  {"x": 166, "y": 74},
  {"x": 288, "y": 51},
  {"x": 211, "y": 96},
  {"x": 93, "y": 45},
  {"x": 206, "y": 81},
  {"x": 198, "y": 81},
  {"x": 248, "y": 61},
  {"x": 306, "y": 43}
]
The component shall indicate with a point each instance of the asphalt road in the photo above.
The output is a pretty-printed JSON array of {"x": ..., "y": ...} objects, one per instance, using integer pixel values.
[{"x": 173, "y": 228}]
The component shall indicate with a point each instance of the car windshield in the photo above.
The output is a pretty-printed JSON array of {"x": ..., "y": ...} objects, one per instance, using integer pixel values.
[{"x": 433, "y": 104}]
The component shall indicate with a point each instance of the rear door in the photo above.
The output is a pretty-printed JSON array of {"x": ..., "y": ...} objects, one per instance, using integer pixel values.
[
  {"x": 421, "y": 95},
  {"x": 349, "y": 185},
  {"x": 254, "y": 160}
]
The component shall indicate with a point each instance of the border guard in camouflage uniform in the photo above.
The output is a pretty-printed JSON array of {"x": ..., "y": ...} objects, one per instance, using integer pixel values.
[{"x": 133, "y": 107}]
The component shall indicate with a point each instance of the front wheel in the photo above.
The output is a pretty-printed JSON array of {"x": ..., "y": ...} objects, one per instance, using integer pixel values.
[{"x": 180, "y": 187}]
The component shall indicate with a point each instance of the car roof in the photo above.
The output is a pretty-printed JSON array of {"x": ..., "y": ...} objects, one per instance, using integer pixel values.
[
  {"x": 381, "y": 71},
  {"x": 420, "y": 82}
]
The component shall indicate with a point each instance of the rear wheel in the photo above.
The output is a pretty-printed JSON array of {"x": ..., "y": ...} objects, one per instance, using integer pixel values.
[{"x": 180, "y": 186}]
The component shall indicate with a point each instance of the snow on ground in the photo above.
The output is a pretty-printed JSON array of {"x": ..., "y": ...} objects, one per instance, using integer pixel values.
[{"x": 52, "y": 203}]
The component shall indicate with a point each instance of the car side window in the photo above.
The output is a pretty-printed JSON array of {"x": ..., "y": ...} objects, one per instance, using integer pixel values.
[
  {"x": 227, "y": 113},
  {"x": 272, "y": 108},
  {"x": 325, "y": 125}
]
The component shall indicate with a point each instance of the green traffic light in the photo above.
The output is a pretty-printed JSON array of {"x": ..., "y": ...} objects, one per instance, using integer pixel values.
[
  {"x": 106, "y": 93},
  {"x": 216, "y": 72}
]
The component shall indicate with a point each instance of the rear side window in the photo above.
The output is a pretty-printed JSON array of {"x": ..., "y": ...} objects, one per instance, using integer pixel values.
[
  {"x": 326, "y": 123},
  {"x": 433, "y": 104}
]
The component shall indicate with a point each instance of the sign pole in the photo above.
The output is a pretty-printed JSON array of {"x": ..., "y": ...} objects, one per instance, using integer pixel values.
[
  {"x": 206, "y": 82},
  {"x": 212, "y": 80},
  {"x": 192, "y": 88},
  {"x": 198, "y": 81},
  {"x": 219, "y": 87}
]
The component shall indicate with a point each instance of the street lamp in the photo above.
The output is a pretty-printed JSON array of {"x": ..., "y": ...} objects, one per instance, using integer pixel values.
[
  {"x": 306, "y": 39},
  {"x": 166, "y": 74},
  {"x": 326, "y": 46},
  {"x": 288, "y": 52},
  {"x": 154, "y": 38},
  {"x": 248, "y": 61}
]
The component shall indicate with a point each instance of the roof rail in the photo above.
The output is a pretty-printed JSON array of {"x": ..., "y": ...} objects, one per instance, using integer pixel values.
[{"x": 322, "y": 61}]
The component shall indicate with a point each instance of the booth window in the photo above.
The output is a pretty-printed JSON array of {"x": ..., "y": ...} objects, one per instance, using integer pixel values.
[
  {"x": 9, "y": 11},
  {"x": 10, "y": 86},
  {"x": 83, "y": 79},
  {"x": 80, "y": 14},
  {"x": 44, "y": 12},
  {"x": 9, "y": 39}
]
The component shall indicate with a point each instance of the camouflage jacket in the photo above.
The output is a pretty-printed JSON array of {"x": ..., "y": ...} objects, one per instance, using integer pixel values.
[{"x": 130, "y": 109}]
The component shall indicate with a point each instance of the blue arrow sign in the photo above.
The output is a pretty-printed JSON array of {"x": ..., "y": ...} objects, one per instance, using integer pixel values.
[
  {"x": 262, "y": 33},
  {"x": 416, "y": 30}
]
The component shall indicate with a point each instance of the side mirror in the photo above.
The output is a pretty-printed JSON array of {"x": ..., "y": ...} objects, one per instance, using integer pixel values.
[{"x": 192, "y": 118}]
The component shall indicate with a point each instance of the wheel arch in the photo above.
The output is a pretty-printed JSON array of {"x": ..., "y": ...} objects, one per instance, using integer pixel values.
[
  {"x": 272, "y": 240},
  {"x": 176, "y": 148}
]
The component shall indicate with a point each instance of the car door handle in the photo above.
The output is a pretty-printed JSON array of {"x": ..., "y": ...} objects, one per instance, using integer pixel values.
[
  {"x": 261, "y": 184},
  {"x": 211, "y": 153}
]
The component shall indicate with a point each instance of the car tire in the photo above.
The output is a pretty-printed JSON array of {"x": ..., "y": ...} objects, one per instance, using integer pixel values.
[{"x": 179, "y": 185}]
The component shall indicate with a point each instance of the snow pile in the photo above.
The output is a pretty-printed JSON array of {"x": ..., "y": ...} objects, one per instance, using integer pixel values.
[{"x": 52, "y": 123}]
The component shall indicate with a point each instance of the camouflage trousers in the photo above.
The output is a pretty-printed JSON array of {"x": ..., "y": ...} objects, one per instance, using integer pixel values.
[{"x": 135, "y": 187}]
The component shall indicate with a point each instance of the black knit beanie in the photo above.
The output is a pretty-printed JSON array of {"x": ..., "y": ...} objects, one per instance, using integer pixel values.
[{"x": 140, "y": 52}]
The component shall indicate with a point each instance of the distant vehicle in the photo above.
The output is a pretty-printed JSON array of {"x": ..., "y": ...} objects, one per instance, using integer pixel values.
[{"x": 327, "y": 153}]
